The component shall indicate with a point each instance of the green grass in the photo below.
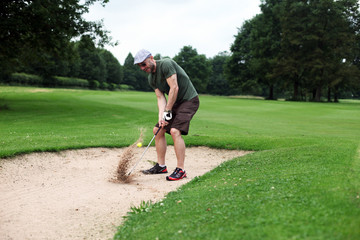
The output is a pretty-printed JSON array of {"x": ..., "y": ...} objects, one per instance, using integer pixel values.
[
  {"x": 302, "y": 183},
  {"x": 63, "y": 119}
]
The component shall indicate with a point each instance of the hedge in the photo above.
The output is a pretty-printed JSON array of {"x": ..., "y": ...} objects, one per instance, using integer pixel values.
[
  {"x": 25, "y": 79},
  {"x": 35, "y": 80},
  {"x": 71, "y": 82}
]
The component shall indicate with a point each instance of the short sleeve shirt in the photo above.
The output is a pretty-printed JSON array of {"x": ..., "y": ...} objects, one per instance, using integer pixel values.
[{"x": 165, "y": 68}]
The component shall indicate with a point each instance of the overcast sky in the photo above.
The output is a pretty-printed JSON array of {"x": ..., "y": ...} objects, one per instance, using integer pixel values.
[{"x": 165, "y": 26}]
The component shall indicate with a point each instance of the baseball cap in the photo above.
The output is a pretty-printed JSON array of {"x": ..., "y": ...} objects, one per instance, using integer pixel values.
[{"x": 141, "y": 56}]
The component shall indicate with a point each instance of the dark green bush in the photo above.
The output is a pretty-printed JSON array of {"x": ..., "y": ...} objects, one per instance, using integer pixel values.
[
  {"x": 71, "y": 82},
  {"x": 93, "y": 84},
  {"x": 25, "y": 79},
  {"x": 126, "y": 87},
  {"x": 104, "y": 85},
  {"x": 113, "y": 86},
  {"x": 34, "y": 80}
]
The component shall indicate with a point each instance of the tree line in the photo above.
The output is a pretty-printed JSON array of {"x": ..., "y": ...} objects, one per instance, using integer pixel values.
[
  {"x": 298, "y": 50},
  {"x": 302, "y": 49}
]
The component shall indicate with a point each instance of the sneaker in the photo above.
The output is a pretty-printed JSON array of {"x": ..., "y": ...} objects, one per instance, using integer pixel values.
[
  {"x": 155, "y": 170},
  {"x": 176, "y": 175}
]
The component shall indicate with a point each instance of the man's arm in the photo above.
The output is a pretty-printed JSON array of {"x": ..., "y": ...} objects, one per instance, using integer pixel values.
[
  {"x": 161, "y": 101},
  {"x": 174, "y": 89}
]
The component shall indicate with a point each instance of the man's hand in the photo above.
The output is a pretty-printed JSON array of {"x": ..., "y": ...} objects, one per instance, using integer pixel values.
[{"x": 163, "y": 123}]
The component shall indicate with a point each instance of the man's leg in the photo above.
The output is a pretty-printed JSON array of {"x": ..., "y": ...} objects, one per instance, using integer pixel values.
[
  {"x": 179, "y": 146},
  {"x": 160, "y": 144}
]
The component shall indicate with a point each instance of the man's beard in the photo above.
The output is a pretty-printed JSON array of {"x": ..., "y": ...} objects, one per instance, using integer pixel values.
[{"x": 152, "y": 67}]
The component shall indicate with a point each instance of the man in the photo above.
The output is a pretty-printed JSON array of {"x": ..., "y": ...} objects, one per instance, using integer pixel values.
[{"x": 175, "y": 112}]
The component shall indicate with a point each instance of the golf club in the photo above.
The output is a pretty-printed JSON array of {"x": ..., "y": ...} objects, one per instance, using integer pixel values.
[{"x": 144, "y": 152}]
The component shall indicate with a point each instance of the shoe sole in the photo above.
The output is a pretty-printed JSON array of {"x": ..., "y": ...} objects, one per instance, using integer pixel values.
[
  {"x": 175, "y": 179},
  {"x": 147, "y": 173}
]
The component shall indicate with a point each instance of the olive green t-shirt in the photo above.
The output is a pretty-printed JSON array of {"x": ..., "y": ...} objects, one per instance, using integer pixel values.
[{"x": 165, "y": 68}]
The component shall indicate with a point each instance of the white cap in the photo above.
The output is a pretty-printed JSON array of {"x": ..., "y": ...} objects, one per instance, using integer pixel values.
[{"x": 141, "y": 56}]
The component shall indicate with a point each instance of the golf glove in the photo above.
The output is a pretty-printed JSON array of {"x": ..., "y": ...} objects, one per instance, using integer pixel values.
[{"x": 167, "y": 115}]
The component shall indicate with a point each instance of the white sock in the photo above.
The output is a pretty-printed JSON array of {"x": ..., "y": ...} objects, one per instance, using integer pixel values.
[{"x": 162, "y": 165}]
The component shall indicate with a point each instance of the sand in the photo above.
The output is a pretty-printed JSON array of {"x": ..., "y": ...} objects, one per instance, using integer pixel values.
[{"x": 69, "y": 195}]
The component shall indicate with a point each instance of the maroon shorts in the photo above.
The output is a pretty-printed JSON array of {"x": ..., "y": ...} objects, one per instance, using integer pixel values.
[{"x": 182, "y": 113}]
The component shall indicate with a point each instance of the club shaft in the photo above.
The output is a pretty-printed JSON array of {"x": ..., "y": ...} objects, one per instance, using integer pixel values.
[{"x": 144, "y": 152}]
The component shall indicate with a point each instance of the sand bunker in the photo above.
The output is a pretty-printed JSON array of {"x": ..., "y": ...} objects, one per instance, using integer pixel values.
[{"x": 68, "y": 195}]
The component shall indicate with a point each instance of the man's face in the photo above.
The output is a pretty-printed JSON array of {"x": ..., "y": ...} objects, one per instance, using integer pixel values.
[{"x": 147, "y": 65}]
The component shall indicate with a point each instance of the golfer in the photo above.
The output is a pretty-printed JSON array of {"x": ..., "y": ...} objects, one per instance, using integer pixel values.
[{"x": 175, "y": 112}]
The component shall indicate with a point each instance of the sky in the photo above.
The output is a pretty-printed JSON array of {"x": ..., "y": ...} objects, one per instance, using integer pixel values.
[{"x": 165, "y": 26}]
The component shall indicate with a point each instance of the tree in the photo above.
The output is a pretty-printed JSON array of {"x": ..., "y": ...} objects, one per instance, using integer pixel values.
[
  {"x": 92, "y": 65},
  {"x": 218, "y": 83},
  {"x": 55, "y": 65},
  {"x": 265, "y": 45},
  {"x": 254, "y": 53},
  {"x": 114, "y": 70},
  {"x": 317, "y": 37},
  {"x": 196, "y": 66},
  {"x": 157, "y": 56},
  {"x": 307, "y": 47},
  {"x": 329, "y": 36},
  {"x": 134, "y": 76},
  {"x": 42, "y": 29},
  {"x": 238, "y": 70},
  {"x": 291, "y": 62},
  {"x": 74, "y": 62}
]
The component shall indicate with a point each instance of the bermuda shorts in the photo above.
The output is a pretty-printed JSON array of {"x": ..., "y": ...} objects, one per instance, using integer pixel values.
[{"x": 182, "y": 113}]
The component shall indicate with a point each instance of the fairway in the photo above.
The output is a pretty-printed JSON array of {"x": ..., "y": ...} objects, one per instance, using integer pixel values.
[{"x": 301, "y": 183}]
